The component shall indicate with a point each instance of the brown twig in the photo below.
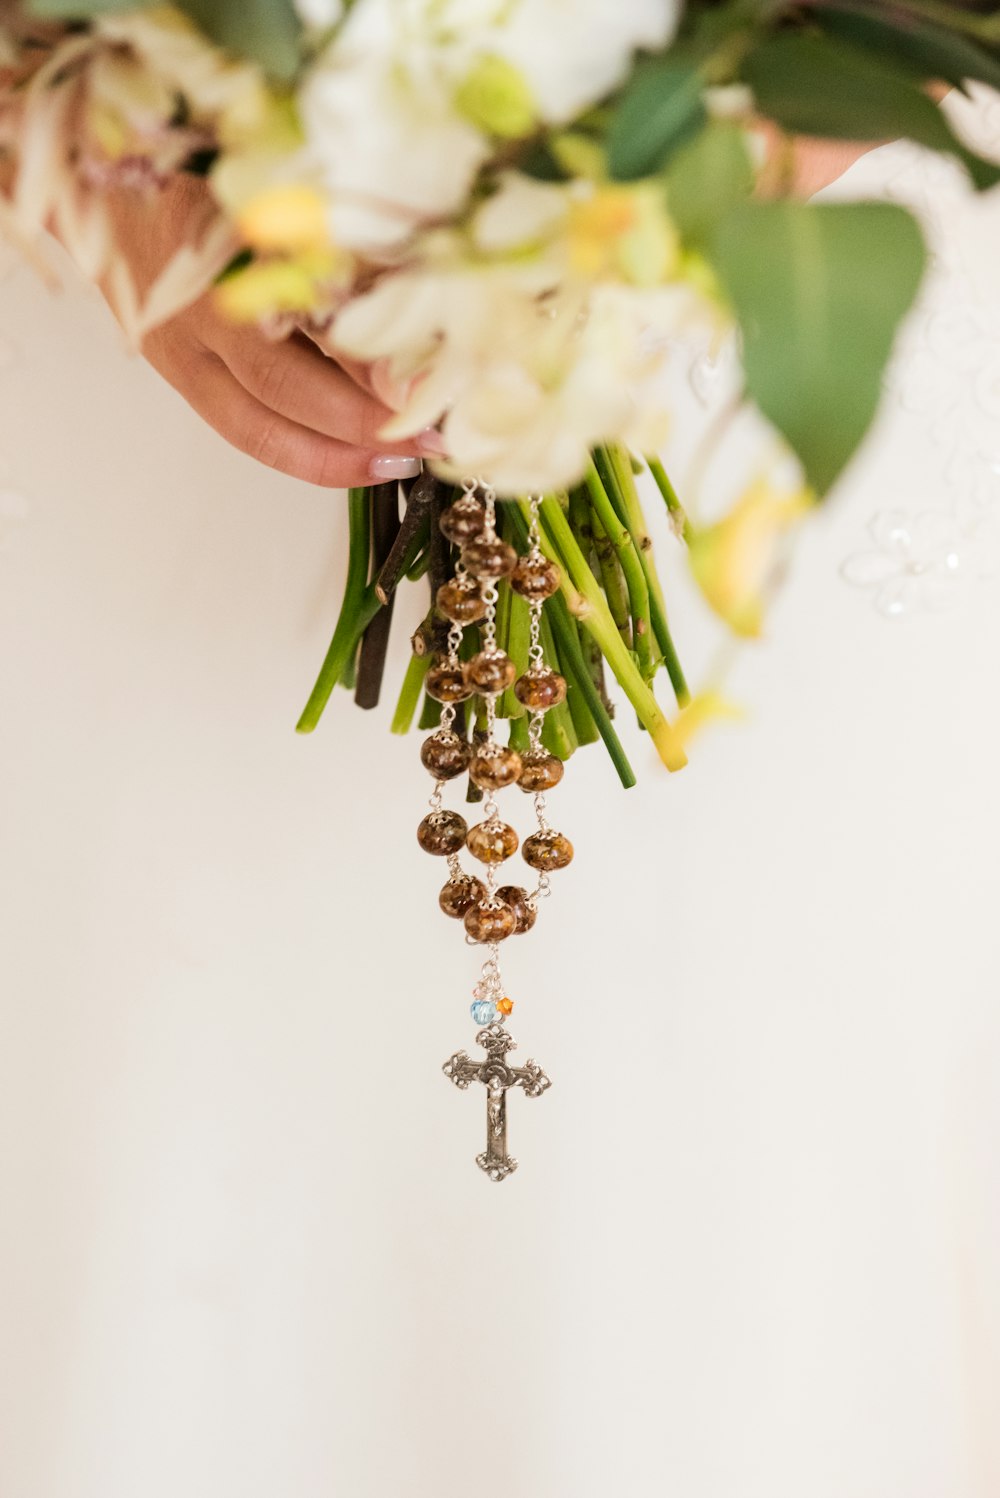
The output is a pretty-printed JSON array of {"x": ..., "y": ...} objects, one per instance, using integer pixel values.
[
  {"x": 375, "y": 641},
  {"x": 418, "y": 503}
]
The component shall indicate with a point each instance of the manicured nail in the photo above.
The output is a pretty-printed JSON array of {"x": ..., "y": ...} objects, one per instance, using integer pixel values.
[
  {"x": 391, "y": 467},
  {"x": 431, "y": 442}
]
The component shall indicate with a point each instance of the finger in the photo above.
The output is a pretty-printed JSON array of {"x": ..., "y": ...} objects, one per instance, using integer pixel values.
[
  {"x": 358, "y": 370},
  {"x": 294, "y": 379},
  {"x": 272, "y": 439}
]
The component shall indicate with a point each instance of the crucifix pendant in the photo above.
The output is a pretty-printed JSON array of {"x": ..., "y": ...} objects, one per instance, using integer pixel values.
[{"x": 498, "y": 1077}]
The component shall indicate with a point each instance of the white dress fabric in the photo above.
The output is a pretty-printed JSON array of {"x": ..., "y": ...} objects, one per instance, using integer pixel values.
[{"x": 752, "y": 1247}]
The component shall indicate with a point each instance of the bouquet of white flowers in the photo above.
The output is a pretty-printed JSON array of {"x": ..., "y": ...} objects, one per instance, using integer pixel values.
[{"x": 518, "y": 211}]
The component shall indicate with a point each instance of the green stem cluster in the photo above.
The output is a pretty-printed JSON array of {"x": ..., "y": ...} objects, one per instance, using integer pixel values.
[{"x": 609, "y": 612}]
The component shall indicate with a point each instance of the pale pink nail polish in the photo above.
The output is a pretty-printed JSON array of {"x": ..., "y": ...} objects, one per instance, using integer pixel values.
[
  {"x": 387, "y": 467},
  {"x": 431, "y": 442}
]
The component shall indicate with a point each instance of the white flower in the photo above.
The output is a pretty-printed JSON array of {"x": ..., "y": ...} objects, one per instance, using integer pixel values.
[
  {"x": 399, "y": 108},
  {"x": 379, "y": 121},
  {"x": 915, "y": 564},
  {"x": 525, "y": 368},
  {"x": 574, "y": 52},
  {"x": 319, "y": 14}
]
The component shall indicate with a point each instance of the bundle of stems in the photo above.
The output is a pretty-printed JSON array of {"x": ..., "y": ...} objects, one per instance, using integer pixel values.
[{"x": 608, "y": 619}]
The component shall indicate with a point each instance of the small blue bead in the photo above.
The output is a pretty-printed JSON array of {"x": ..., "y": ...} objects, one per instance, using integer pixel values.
[{"x": 483, "y": 1011}]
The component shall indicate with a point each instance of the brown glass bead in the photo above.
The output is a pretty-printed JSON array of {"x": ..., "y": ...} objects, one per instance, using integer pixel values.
[
  {"x": 444, "y": 754},
  {"x": 540, "y": 689},
  {"x": 546, "y": 851},
  {"x": 461, "y": 600},
  {"x": 494, "y": 766},
  {"x": 488, "y": 922},
  {"x": 442, "y": 833},
  {"x": 459, "y": 895},
  {"x": 492, "y": 842},
  {"x": 489, "y": 557},
  {"x": 535, "y": 578},
  {"x": 447, "y": 683},
  {"x": 490, "y": 672},
  {"x": 464, "y": 520},
  {"x": 517, "y": 898},
  {"x": 540, "y": 771}
]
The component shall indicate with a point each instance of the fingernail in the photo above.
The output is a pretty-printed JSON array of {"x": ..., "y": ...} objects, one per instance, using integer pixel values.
[
  {"x": 391, "y": 467},
  {"x": 431, "y": 442}
]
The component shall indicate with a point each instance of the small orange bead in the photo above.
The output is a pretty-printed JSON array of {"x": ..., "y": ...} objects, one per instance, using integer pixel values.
[{"x": 505, "y": 1005}]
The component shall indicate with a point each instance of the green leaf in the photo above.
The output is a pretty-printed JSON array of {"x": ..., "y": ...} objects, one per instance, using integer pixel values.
[
  {"x": 820, "y": 290},
  {"x": 267, "y": 32},
  {"x": 812, "y": 85},
  {"x": 79, "y": 10},
  {"x": 706, "y": 178},
  {"x": 931, "y": 51},
  {"x": 661, "y": 107}
]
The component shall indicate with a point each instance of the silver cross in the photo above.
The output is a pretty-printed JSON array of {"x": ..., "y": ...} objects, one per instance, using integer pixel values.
[{"x": 498, "y": 1077}]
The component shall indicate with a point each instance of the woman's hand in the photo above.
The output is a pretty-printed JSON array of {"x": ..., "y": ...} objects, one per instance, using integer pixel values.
[
  {"x": 282, "y": 401},
  {"x": 285, "y": 402}
]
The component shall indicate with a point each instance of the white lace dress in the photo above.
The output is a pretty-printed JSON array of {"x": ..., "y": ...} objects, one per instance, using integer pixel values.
[{"x": 752, "y": 1248}]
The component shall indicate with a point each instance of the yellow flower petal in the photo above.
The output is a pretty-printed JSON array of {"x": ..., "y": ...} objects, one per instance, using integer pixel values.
[
  {"x": 266, "y": 287},
  {"x": 705, "y": 708},
  {"x": 289, "y": 216},
  {"x": 735, "y": 561}
]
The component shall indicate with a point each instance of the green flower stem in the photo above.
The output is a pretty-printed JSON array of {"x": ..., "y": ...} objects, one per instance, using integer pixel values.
[
  {"x": 409, "y": 695},
  {"x": 612, "y": 580},
  {"x": 582, "y": 525},
  {"x": 421, "y": 564},
  {"x": 578, "y": 674},
  {"x": 678, "y": 515},
  {"x": 357, "y": 610},
  {"x": 359, "y": 607},
  {"x": 578, "y": 702},
  {"x": 587, "y": 603},
  {"x": 581, "y": 519},
  {"x": 519, "y": 733},
  {"x": 573, "y": 654},
  {"x": 627, "y": 496},
  {"x": 504, "y": 595},
  {"x": 635, "y": 578},
  {"x": 518, "y": 638},
  {"x": 430, "y": 714},
  {"x": 559, "y": 733}
]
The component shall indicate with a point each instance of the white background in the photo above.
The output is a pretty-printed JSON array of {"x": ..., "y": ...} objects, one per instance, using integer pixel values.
[{"x": 244, "y": 1249}]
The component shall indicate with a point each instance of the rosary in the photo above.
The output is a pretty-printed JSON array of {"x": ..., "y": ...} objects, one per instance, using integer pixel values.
[{"x": 491, "y": 914}]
